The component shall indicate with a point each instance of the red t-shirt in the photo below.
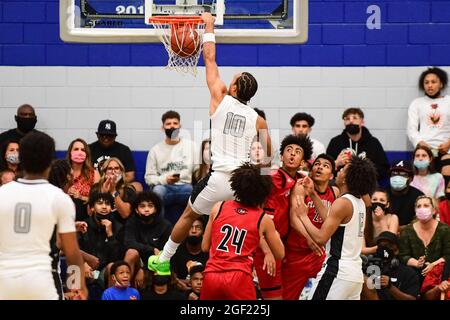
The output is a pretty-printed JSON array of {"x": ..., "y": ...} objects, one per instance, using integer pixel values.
[
  {"x": 234, "y": 238},
  {"x": 277, "y": 204},
  {"x": 444, "y": 211},
  {"x": 297, "y": 242}
]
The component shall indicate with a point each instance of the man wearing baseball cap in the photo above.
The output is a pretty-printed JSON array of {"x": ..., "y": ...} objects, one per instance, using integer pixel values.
[
  {"x": 396, "y": 281},
  {"x": 106, "y": 147},
  {"x": 402, "y": 195}
]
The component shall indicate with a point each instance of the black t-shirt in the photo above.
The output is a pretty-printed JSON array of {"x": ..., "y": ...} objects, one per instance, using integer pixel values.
[
  {"x": 182, "y": 256},
  {"x": 403, "y": 205},
  {"x": 407, "y": 282},
  {"x": 12, "y": 134},
  {"x": 117, "y": 150}
]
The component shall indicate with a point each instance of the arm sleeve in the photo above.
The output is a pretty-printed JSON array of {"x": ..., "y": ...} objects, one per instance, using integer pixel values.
[
  {"x": 151, "y": 170},
  {"x": 64, "y": 209},
  {"x": 413, "y": 124}
]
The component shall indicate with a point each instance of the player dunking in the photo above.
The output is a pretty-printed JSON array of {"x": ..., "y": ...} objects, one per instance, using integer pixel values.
[
  {"x": 29, "y": 210},
  {"x": 341, "y": 276},
  {"x": 233, "y": 233},
  {"x": 233, "y": 128}
]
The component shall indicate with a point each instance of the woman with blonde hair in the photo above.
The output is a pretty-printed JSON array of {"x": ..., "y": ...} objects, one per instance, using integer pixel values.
[
  {"x": 112, "y": 181},
  {"x": 83, "y": 176}
]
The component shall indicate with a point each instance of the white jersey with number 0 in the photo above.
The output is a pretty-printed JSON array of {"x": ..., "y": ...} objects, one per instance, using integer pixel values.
[
  {"x": 29, "y": 211},
  {"x": 233, "y": 127}
]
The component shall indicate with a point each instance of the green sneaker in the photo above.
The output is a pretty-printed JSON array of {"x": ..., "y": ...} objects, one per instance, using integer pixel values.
[{"x": 160, "y": 268}]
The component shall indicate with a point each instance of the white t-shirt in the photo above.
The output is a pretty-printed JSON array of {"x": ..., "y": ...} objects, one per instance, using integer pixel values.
[
  {"x": 166, "y": 159},
  {"x": 233, "y": 128},
  {"x": 343, "y": 250},
  {"x": 429, "y": 121},
  {"x": 29, "y": 211}
]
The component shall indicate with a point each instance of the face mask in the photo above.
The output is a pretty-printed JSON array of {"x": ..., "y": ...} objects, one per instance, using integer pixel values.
[
  {"x": 378, "y": 204},
  {"x": 398, "y": 182},
  {"x": 118, "y": 177},
  {"x": 146, "y": 219},
  {"x": 101, "y": 217},
  {"x": 421, "y": 164},
  {"x": 172, "y": 133},
  {"x": 160, "y": 280},
  {"x": 26, "y": 124},
  {"x": 436, "y": 95},
  {"x": 206, "y": 157},
  {"x": 78, "y": 156},
  {"x": 13, "y": 158},
  {"x": 424, "y": 214},
  {"x": 194, "y": 240},
  {"x": 352, "y": 128}
]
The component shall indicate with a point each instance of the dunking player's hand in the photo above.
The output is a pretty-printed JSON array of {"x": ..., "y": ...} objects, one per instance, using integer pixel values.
[{"x": 208, "y": 19}]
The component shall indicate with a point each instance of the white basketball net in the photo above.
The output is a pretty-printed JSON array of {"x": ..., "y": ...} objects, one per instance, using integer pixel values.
[{"x": 166, "y": 29}]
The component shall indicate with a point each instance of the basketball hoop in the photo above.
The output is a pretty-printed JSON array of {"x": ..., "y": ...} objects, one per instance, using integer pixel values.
[{"x": 182, "y": 38}]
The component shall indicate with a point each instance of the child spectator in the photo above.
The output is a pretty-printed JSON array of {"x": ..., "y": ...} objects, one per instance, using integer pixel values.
[
  {"x": 196, "y": 281},
  {"x": 121, "y": 275}
]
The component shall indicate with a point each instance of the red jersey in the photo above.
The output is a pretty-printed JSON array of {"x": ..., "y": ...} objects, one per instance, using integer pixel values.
[
  {"x": 234, "y": 238},
  {"x": 277, "y": 204},
  {"x": 297, "y": 242}
]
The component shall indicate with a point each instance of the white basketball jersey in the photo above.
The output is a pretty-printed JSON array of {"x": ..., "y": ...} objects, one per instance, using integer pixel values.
[
  {"x": 344, "y": 247},
  {"x": 29, "y": 211},
  {"x": 233, "y": 128}
]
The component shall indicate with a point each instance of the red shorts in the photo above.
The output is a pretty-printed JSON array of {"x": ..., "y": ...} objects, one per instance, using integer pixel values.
[
  {"x": 230, "y": 285},
  {"x": 271, "y": 287},
  {"x": 296, "y": 270}
]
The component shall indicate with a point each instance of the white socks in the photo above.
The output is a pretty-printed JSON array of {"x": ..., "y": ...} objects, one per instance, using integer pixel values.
[{"x": 169, "y": 250}]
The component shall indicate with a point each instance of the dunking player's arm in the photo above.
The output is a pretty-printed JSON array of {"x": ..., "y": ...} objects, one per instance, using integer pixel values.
[
  {"x": 340, "y": 212},
  {"x": 266, "y": 230}
]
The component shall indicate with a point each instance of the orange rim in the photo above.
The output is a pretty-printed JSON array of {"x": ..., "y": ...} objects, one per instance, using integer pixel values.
[{"x": 176, "y": 19}]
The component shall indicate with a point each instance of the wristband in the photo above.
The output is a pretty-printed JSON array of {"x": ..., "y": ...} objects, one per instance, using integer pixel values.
[{"x": 209, "y": 37}]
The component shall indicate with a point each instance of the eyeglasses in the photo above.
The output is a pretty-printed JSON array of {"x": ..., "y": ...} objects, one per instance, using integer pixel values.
[{"x": 113, "y": 169}]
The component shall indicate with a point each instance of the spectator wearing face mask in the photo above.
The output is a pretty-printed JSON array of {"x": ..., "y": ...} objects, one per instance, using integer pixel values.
[
  {"x": 189, "y": 250},
  {"x": 103, "y": 240},
  {"x": 169, "y": 167},
  {"x": 112, "y": 181},
  {"x": 146, "y": 231},
  {"x": 120, "y": 274},
  {"x": 26, "y": 121},
  {"x": 161, "y": 288},
  {"x": 83, "y": 176},
  {"x": 428, "y": 181},
  {"x": 426, "y": 242},
  {"x": 356, "y": 139},
  {"x": 10, "y": 158},
  {"x": 396, "y": 281},
  {"x": 401, "y": 193}
]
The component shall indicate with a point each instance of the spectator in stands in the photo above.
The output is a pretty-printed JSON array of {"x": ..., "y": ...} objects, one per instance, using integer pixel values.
[
  {"x": 426, "y": 242},
  {"x": 26, "y": 121},
  {"x": 107, "y": 147},
  {"x": 401, "y": 194},
  {"x": 146, "y": 232},
  {"x": 397, "y": 281},
  {"x": 378, "y": 219},
  {"x": 428, "y": 181},
  {"x": 428, "y": 123},
  {"x": 6, "y": 176},
  {"x": 169, "y": 167},
  {"x": 121, "y": 275},
  {"x": 302, "y": 123},
  {"x": 162, "y": 289},
  {"x": 83, "y": 176},
  {"x": 189, "y": 250},
  {"x": 112, "y": 181},
  {"x": 204, "y": 167},
  {"x": 196, "y": 281},
  {"x": 103, "y": 239},
  {"x": 444, "y": 206},
  {"x": 356, "y": 139},
  {"x": 436, "y": 285},
  {"x": 257, "y": 153},
  {"x": 9, "y": 159}
]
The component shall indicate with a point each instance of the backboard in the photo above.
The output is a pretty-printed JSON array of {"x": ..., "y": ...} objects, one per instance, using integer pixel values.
[{"x": 237, "y": 21}]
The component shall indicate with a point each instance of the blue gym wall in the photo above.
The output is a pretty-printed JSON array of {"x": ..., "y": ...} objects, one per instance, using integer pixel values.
[{"x": 413, "y": 33}]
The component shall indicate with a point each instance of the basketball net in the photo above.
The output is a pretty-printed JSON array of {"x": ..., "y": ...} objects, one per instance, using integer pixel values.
[{"x": 167, "y": 27}]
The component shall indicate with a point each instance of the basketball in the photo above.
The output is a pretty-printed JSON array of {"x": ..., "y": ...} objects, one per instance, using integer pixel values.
[{"x": 184, "y": 41}]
